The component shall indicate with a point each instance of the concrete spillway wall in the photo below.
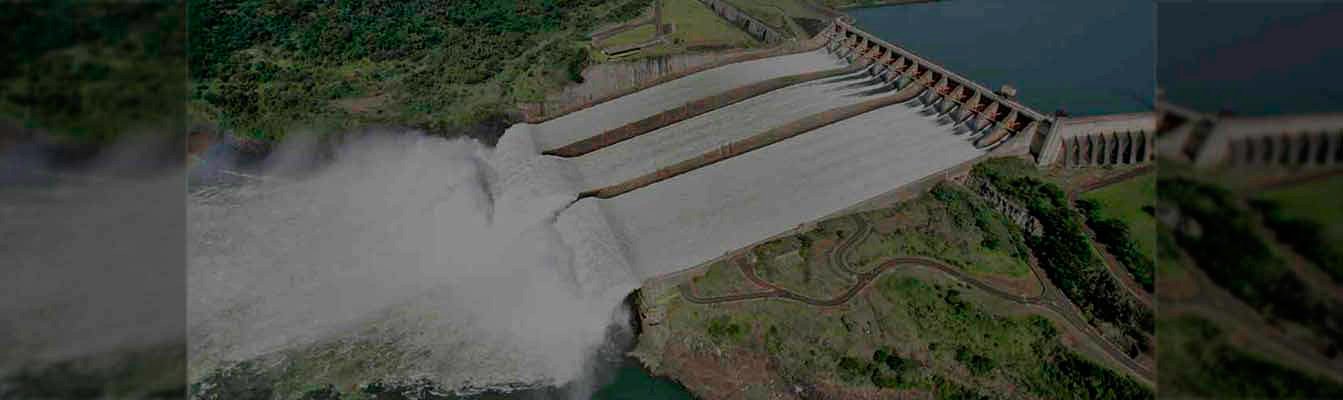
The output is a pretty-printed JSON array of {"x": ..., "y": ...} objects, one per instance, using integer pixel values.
[
  {"x": 687, "y": 111},
  {"x": 755, "y": 27},
  {"x": 607, "y": 82},
  {"x": 748, "y": 144},
  {"x": 984, "y": 109},
  {"x": 1013, "y": 211}
]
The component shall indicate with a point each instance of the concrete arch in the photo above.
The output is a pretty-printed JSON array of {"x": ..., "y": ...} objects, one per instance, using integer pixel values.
[
  {"x": 1142, "y": 147},
  {"x": 1126, "y": 144},
  {"x": 1077, "y": 152},
  {"x": 1319, "y": 149},
  {"x": 1267, "y": 149},
  {"x": 1241, "y": 152},
  {"x": 1284, "y": 149},
  {"x": 1337, "y": 147}
]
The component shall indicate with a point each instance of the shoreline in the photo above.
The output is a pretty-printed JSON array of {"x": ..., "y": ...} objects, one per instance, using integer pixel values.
[{"x": 885, "y": 3}]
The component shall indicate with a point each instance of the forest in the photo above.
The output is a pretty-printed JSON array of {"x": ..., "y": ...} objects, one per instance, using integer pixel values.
[
  {"x": 262, "y": 68},
  {"x": 1114, "y": 234},
  {"x": 88, "y": 72},
  {"x": 1245, "y": 264},
  {"x": 1065, "y": 253}
]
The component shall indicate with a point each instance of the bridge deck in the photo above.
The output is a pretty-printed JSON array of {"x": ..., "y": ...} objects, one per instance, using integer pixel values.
[
  {"x": 633, "y": 107},
  {"x": 691, "y": 138},
  {"x": 695, "y": 217}
]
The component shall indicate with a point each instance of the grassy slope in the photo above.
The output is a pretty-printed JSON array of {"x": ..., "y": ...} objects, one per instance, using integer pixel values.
[
  {"x": 1316, "y": 201},
  {"x": 952, "y": 225},
  {"x": 638, "y": 35},
  {"x": 778, "y": 13},
  {"x": 697, "y": 25},
  {"x": 922, "y": 319},
  {"x": 1125, "y": 201},
  {"x": 941, "y": 339},
  {"x": 1197, "y": 361}
]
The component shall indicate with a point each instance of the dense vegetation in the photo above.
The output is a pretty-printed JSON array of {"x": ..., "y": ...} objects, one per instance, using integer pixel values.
[
  {"x": 90, "y": 71},
  {"x": 1114, "y": 234},
  {"x": 1065, "y": 252},
  {"x": 1055, "y": 373},
  {"x": 1196, "y": 361},
  {"x": 908, "y": 332},
  {"x": 1305, "y": 236},
  {"x": 1221, "y": 239},
  {"x": 962, "y": 208},
  {"x": 952, "y": 225},
  {"x": 262, "y": 67}
]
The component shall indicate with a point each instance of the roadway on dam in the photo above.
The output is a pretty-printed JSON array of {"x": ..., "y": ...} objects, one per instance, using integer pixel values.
[
  {"x": 700, "y": 215},
  {"x": 691, "y": 138},
  {"x": 584, "y": 123}
]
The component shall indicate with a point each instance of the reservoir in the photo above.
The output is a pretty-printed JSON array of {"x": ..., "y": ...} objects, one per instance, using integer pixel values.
[
  {"x": 1251, "y": 58},
  {"x": 1084, "y": 57}
]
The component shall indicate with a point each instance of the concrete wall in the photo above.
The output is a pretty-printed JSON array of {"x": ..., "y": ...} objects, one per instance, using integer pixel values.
[
  {"x": 1302, "y": 149},
  {"x": 733, "y": 149},
  {"x": 687, "y": 111},
  {"x": 1298, "y": 141},
  {"x": 1119, "y": 139},
  {"x": 1014, "y": 212},
  {"x": 755, "y": 27},
  {"x": 608, "y": 81},
  {"x": 1107, "y": 148},
  {"x": 1000, "y": 115}
]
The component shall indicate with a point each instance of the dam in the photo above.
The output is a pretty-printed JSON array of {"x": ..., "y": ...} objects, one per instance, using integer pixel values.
[
  {"x": 689, "y": 170},
  {"x": 498, "y": 266}
]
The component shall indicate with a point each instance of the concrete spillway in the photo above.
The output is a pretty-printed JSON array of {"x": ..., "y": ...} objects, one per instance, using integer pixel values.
[
  {"x": 690, "y": 138},
  {"x": 615, "y": 113},
  {"x": 700, "y": 215}
]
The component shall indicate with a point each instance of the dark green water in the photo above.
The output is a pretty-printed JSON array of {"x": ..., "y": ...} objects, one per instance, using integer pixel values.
[
  {"x": 623, "y": 380},
  {"x": 614, "y": 375},
  {"x": 1085, "y": 57},
  {"x": 633, "y": 383},
  {"x": 1255, "y": 58}
]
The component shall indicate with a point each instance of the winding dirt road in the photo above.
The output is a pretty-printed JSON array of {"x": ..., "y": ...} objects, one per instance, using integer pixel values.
[{"x": 1050, "y": 298}]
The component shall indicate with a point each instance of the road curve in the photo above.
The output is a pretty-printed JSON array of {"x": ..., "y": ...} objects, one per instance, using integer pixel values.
[{"x": 1050, "y": 297}]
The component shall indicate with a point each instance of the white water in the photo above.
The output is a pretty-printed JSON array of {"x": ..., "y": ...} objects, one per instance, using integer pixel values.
[
  {"x": 464, "y": 257},
  {"x": 479, "y": 265}
]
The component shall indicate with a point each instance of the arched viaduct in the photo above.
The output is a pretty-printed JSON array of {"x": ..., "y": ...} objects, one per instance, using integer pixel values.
[
  {"x": 1294, "y": 141},
  {"x": 1300, "y": 141},
  {"x": 1121, "y": 139}
]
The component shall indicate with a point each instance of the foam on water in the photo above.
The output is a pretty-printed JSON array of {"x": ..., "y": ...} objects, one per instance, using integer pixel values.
[{"x": 468, "y": 258}]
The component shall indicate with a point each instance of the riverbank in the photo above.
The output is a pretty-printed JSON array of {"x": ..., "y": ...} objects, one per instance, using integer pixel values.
[{"x": 880, "y": 3}]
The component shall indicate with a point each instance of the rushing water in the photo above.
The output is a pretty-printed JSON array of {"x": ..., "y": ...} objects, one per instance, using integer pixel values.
[
  {"x": 1252, "y": 57},
  {"x": 1085, "y": 57},
  {"x": 470, "y": 261}
]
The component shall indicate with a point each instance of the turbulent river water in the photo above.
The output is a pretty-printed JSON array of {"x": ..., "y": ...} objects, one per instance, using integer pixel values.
[{"x": 471, "y": 261}]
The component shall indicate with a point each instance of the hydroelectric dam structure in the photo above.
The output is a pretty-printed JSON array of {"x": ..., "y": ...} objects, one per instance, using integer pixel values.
[{"x": 686, "y": 171}]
